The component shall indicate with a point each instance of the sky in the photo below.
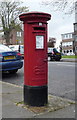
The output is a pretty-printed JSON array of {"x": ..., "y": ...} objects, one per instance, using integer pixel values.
[{"x": 59, "y": 23}]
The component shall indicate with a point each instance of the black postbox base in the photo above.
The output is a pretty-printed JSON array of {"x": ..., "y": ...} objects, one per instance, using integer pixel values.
[{"x": 36, "y": 96}]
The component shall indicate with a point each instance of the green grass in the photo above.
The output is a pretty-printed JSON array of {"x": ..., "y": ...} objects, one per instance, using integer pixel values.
[{"x": 69, "y": 56}]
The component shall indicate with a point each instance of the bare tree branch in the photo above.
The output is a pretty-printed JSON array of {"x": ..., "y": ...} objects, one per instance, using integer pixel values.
[
  {"x": 9, "y": 12},
  {"x": 66, "y": 6}
]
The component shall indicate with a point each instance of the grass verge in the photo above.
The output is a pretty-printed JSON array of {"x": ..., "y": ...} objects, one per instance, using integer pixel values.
[{"x": 69, "y": 56}]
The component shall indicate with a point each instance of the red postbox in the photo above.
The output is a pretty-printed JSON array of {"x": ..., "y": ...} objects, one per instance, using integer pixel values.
[{"x": 35, "y": 58}]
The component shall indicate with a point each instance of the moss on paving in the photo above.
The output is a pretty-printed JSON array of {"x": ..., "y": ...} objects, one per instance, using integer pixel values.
[{"x": 54, "y": 103}]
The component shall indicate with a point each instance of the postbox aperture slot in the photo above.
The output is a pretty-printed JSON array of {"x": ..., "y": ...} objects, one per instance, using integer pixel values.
[
  {"x": 39, "y": 42},
  {"x": 39, "y": 28}
]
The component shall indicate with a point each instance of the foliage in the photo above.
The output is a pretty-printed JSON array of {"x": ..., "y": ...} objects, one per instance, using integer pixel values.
[
  {"x": 9, "y": 12},
  {"x": 60, "y": 46}
]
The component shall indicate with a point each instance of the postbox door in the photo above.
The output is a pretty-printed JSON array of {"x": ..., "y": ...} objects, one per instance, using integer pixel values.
[{"x": 39, "y": 63}]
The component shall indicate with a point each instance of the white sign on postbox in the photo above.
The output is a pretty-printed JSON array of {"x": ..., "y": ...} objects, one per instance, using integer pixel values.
[{"x": 39, "y": 42}]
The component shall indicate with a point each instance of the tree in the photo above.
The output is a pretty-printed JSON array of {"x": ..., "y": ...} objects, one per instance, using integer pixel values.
[
  {"x": 60, "y": 46},
  {"x": 66, "y": 6},
  {"x": 51, "y": 42},
  {"x": 9, "y": 12}
]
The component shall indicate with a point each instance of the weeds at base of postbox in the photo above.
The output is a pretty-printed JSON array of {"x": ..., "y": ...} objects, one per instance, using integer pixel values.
[{"x": 54, "y": 104}]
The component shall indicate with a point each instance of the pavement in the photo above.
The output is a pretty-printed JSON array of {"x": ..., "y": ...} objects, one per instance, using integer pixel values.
[
  {"x": 13, "y": 106},
  {"x": 68, "y": 60}
]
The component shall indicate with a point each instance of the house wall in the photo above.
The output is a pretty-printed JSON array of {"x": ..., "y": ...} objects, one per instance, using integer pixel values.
[
  {"x": 75, "y": 30},
  {"x": 67, "y": 43},
  {"x": 75, "y": 38},
  {"x": 16, "y": 37}
]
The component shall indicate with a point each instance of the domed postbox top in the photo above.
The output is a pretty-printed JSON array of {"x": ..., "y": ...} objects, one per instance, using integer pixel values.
[{"x": 33, "y": 16}]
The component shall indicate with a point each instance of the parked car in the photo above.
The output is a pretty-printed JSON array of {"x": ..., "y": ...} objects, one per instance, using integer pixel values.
[
  {"x": 19, "y": 48},
  {"x": 10, "y": 60},
  {"x": 53, "y": 54}
]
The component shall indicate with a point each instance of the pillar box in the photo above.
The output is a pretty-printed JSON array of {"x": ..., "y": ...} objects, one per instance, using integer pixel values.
[{"x": 35, "y": 58}]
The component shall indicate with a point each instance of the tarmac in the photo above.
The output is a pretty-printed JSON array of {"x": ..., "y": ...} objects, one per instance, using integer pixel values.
[{"x": 12, "y": 105}]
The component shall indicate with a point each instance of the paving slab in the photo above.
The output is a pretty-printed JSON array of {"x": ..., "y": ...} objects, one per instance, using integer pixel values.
[
  {"x": 67, "y": 112},
  {"x": 13, "y": 107},
  {"x": 12, "y": 94}
]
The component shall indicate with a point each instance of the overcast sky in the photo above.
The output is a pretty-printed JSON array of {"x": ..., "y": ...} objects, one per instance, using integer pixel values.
[{"x": 59, "y": 23}]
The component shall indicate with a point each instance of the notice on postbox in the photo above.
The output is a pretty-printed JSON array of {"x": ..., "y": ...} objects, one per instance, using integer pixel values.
[{"x": 39, "y": 42}]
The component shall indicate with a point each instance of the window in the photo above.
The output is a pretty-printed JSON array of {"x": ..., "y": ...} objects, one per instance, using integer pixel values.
[
  {"x": 70, "y": 35},
  {"x": 67, "y": 51},
  {"x": 64, "y": 51},
  {"x": 64, "y": 36},
  {"x": 19, "y": 34},
  {"x": 64, "y": 44},
  {"x": 71, "y": 43},
  {"x": 76, "y": 49},
  {"x": 67, "y": 36},
  {"x": 75, "y": 38},
  {"x": 70, "y": 50},
  {"x": 75, "y": 27}
]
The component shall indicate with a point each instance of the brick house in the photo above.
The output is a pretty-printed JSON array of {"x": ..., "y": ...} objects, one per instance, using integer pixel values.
[
  {"x": 67, "y": 43},
  {"x": 2, "y": 40},
  {"x": 16, "y": 38},
  {"x": 75, "y": 38},
  {"x": 75, "y": 30}
]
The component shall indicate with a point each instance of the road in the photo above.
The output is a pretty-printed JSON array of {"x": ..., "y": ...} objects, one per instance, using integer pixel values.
[{"x": 61, "y": 79}]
